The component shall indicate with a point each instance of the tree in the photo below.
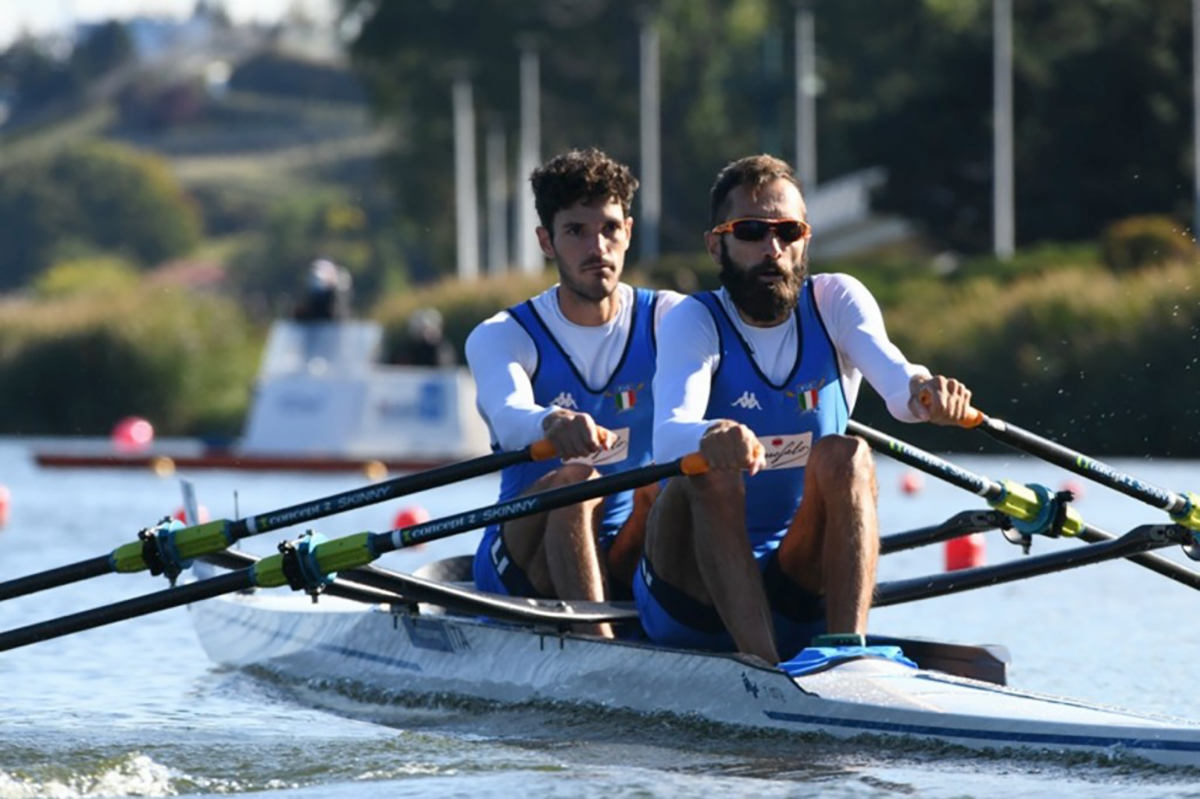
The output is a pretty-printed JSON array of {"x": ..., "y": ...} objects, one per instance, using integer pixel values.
[
  {"x": 91, "y": 198},
  {"x": 105, "y": 48},
  {"x": 411, "y": 52},
  {"x": 1101, "y": 90}
]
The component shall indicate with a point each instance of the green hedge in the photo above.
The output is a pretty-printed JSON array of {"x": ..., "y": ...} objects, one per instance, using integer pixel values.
[
  {"x": 1109, "y": 363},
  {"x": 186, "y": 362}
]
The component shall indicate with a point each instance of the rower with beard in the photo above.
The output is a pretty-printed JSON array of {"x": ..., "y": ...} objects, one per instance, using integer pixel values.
[
  {"x": 776, "y": 546},
  {"x": 573, "y": 365}
]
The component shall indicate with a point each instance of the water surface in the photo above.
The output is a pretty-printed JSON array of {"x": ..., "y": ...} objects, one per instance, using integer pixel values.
[{"x": 137, "y": 709}]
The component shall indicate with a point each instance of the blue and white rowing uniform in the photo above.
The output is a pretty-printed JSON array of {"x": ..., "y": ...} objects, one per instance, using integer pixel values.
[
  {"x": 788, "y": 415},
  {"x": 623, "y": 405}
]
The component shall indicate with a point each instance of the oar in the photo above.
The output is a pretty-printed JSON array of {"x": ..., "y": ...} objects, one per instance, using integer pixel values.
[
  {"x": 1183, "y": 508},
  {"x": 308, "y": 566},
  {"x": 1138, "y": 540},
  {"x": 1032, "y": 510},
  {"x": 398, "y": 588},
  {"x": 960, "y": 524},
  {"x": 163, "y": 550},
  {"x": 1028, "y": 506}
]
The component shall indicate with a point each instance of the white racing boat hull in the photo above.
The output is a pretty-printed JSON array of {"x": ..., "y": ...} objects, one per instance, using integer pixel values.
[{"x": 405, "y": 652}]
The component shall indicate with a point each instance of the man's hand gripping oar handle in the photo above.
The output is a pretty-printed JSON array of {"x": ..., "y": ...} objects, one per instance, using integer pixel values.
[{"x": 973, "y": 418}]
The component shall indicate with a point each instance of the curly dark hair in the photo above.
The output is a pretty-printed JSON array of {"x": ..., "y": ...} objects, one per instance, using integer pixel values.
[
  {"x": 586, "y": 176},
  {"x": 754, "y": 171}
]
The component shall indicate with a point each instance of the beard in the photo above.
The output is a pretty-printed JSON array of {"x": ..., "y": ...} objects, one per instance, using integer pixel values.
[
  {"x": 593, "y": 292},
  {"x": 762, "y": 302}
]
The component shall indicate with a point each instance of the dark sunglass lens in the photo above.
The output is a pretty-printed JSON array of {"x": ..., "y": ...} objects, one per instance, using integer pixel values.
[
  {"x": 750, "y": 229},
  {"x": 789, "y": 231}
]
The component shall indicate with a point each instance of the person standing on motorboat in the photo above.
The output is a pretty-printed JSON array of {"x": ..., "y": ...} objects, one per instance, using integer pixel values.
[
  {"x": 574, "y": 365},
  {"x": 327, "y": 289},
  {"x": 760, "y": 377}
]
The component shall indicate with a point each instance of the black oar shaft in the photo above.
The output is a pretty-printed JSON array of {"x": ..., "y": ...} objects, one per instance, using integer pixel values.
[
  {"x": 74, "y": 572},
  {"x": 527, "y": 505},
  {"x": 380, "y": 492},
  {"x": 960, "y": 524},
  {"x": 1148, "y": 560},
  {"x": 128, "y": 609},
  {"x": 213, "y": 536},
  {"x": 1077, "y": 462},
  {"x": 981, "y": 486},
  {"x": 991, "y": 491},
  {"x": 350, "y": 552},
  {"x": 1138, "y": 540}
]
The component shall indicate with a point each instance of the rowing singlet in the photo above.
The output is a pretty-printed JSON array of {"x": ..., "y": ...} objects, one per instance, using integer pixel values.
[
  {"x": 624, "y": 405},
  {"x": 788, "y": 418}
]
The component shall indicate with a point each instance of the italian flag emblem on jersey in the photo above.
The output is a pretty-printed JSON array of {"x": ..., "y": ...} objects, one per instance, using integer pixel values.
[
  {"x": 807, "y": 399},
  {"x": 626, "y": 399}
]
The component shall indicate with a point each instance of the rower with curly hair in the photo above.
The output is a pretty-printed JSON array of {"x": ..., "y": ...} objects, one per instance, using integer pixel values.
[{"x": 574, "y": 365}]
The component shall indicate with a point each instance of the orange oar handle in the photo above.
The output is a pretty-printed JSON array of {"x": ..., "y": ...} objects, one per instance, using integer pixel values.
[
  {"x": 542, "y": 450},
  {"x": 974, "y": 417},
  {"x": 695, "y": 463}
]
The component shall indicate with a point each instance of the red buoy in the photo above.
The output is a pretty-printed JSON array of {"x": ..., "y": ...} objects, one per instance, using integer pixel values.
[
  {"x": 181, "y": 515},
  {"x": 132, "y": 434},
  {"x": 1075, "y": 487},
  {"x": 407, "y": 517},
  {"x": 5, "y": 498},
  {"x": 911, "y": 483},
  {"x": 965, "y": 552}
]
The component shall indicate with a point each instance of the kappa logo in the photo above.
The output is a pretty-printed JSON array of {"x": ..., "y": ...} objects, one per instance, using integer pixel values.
[
  {"x": 565, "y": 400},
  {"x": 747, "y": 401}
]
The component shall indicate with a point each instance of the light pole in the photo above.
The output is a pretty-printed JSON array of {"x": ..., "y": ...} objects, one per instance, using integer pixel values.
[
  {"x": 651, "y": 183},
  {"x": 497, "y": 199},
  {"x": 529, "y": 254},
  {"x": 1003, "y": 221},
  {"x": 806, "y": 95},
  {"x": 466, "y": 201}
]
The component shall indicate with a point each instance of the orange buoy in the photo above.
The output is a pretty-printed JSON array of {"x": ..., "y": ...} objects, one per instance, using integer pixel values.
[
  {"x": 5, "y": 498},
  {"x": 911, "y": 483},
  {"x": 181, "y": 515},
  {"x": 132, "y": 434},
  {"x": 965, "y": 552}
]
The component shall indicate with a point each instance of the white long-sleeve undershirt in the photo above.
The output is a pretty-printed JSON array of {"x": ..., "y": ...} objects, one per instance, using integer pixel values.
[
  {"x": 502, "y": 358},
  {"x": 689, "y": 347}
]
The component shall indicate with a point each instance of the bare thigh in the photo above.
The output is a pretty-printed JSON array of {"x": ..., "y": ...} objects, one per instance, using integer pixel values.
[
  {"x": 525, "y": 538},
  {"x": 836, "y": 462}
]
